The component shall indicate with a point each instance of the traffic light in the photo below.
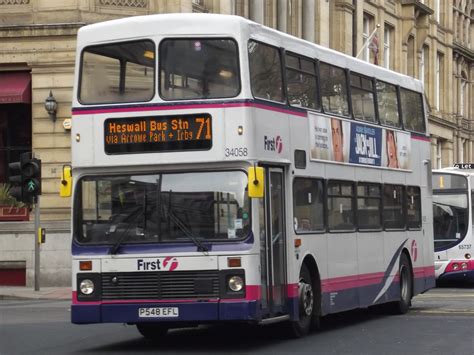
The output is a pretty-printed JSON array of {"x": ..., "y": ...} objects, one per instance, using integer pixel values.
[
  {"x": 31, "y": 178},
  {"x": 15, "y": 179},
  {"x": 25, "y": 178}
]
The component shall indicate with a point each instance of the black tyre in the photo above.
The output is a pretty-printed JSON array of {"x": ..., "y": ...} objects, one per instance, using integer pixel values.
[
  {"x": 308, "y": 307},
  {"x": 152, "y": 331},
  {"x": 406, "y": 287}
]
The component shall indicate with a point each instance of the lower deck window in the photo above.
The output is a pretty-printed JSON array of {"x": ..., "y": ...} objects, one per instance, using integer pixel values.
[
  {"x": 369, "y": 206},
  {"x": 308, "y": 204},
  {"x": 340, "y": 208},
  {"x": 393, "y": 211}
]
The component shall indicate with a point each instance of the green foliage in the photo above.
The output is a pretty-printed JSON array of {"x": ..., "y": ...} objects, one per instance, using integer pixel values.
[{"x": 6, "y": 199}]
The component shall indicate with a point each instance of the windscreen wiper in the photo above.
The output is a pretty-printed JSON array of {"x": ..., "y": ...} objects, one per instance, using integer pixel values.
[
  {"x": 177, "y": 221},
  {"x": 133, "y": 217}
]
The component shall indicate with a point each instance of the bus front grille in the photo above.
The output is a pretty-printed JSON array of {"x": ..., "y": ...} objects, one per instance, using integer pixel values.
[{"x": 200, "y": 284}]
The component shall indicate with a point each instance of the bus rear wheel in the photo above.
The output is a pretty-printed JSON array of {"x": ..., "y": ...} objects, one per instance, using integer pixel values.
[
  {"x": 306, "y": 304},
  {"x": 152, "y": 331},
  {"x": 406, "y": 287}
]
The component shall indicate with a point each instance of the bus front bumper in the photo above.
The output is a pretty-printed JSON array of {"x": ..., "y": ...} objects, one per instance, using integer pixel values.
[{"x": 194, "y": 311}]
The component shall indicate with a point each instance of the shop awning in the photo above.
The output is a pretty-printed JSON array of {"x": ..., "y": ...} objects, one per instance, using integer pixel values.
[{"x": 15, "y": 87}]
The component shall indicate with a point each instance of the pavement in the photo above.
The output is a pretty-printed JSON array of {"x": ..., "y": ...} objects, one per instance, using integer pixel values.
[{"x": 44, "y": 293}]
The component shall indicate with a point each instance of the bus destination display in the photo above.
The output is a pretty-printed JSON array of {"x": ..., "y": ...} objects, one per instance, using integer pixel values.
[{"x": 157, "y": 134}]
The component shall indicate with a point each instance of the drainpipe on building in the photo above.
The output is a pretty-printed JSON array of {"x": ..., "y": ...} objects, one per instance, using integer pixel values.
[{"x": 354, "y": 28}]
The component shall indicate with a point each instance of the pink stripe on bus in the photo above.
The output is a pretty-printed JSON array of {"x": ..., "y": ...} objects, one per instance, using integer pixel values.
[
  {"x": 421, "y": 138},
  {"x": 353, "y": 281},
  {"x": 187, "y": 107}
]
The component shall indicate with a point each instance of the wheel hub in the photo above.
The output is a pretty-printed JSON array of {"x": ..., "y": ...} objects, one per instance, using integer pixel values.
[{"x": 306, "y": 298}]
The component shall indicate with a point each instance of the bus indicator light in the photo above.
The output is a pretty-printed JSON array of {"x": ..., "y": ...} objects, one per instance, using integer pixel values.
[
  {"x": 234, "y": 262},
  {"x": 85, "y": 265}
]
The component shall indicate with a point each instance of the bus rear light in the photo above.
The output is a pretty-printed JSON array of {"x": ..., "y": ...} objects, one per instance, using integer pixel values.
[
  {"x": 460, "y": 265},
  {"x": 85, "y": 265},
  {"x": 234, "y": 262}
]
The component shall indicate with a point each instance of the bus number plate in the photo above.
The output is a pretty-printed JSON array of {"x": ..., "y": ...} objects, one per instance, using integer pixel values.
[{"x": 158, "y": 312}]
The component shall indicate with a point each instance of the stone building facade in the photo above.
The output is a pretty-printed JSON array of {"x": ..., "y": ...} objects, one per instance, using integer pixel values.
[{"x": 431, "y": 40}]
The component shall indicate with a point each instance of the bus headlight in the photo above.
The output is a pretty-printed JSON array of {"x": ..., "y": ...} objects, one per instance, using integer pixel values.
[
  {"x": 86, "y": 286},
  {"x": 236, "y": 283}
]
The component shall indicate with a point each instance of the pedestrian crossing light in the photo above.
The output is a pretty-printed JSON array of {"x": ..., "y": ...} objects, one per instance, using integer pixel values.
[
  {"x": 25, "y": 178},
  {"x": 31, "y": 173}
]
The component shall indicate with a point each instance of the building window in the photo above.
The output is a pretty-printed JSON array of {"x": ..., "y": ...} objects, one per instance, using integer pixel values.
[
  {"x": 462, "y": 96},
  {"x": 424, "y": 65},
  {"x": 366, "y": 29},
  {"x": 438, "y": 155},
  {"x": 438, "y": 81},
  {"x": 411, "y": 56},
  {"x": 437, "y": 10},
  {"x": 421, "y": 67},
  {"x": 387, "y": 40}
]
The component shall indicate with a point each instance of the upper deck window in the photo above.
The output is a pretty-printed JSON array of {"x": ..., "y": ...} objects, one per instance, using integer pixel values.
[
  {"x": 362, "y": 96},
  {"x": 265, "y": 72},
  {"x": 301, "y": 82},
  {"x": 198, "y": 69},
  {"x": 119, "y": 72},
  {"x": 412, "y": 110},
  {"x": 334, "y": 89},
  {"x": 387, "y": 100}
]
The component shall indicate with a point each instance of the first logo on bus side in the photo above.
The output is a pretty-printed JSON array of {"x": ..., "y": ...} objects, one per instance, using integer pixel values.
[{"x": 273, "y": 144}]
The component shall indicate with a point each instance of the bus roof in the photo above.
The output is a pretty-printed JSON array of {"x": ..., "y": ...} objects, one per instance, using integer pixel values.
[
  {"x": 198, "y": 24},
  {"x": 455, "y": 171}
]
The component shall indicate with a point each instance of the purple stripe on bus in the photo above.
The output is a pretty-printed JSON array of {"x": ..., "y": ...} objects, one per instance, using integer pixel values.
[
  {"x": 191, "y": 105},
  {"x": 244, "y": 245}
]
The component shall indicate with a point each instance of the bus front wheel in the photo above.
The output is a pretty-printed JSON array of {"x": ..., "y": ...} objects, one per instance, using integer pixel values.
[
  {"x": 306, "y": 304},
  {"x": 152, "y": 331}
]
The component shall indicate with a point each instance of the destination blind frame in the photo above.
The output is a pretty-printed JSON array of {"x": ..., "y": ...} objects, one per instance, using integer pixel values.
[{"x": 158, "y": 133}]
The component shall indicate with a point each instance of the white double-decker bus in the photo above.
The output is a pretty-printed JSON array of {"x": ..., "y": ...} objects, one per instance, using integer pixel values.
[
  {"x": 453, "y": 196},
  {"x": 227, "y": 172}
]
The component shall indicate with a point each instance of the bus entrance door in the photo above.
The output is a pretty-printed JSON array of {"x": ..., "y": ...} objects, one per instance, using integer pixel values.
[{"x": 273, "y": 245}]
